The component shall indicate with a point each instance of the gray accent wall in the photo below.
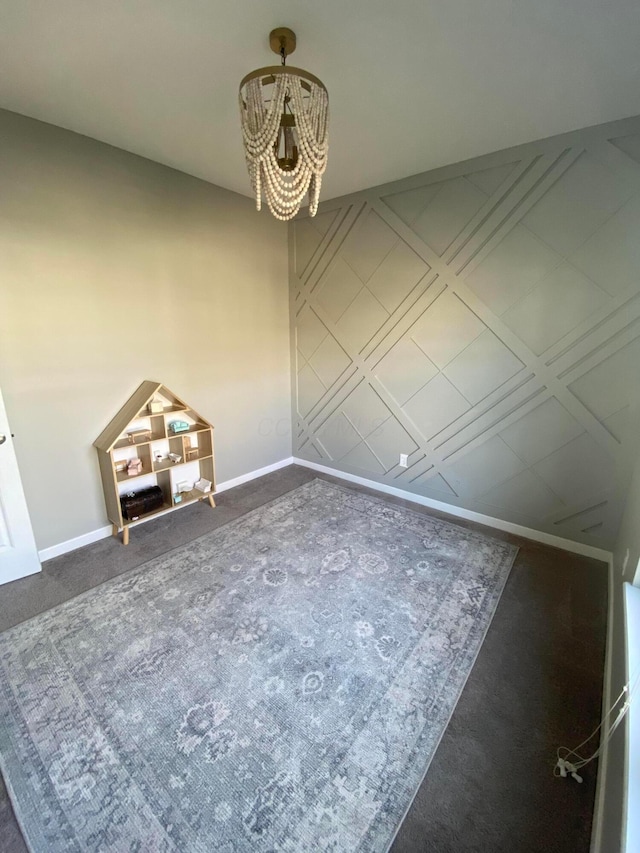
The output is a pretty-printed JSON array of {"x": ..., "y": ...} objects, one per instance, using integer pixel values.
[{"x": 484, "y": 319}]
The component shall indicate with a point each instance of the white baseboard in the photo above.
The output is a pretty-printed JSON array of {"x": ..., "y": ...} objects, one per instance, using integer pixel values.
[
  {"x": 104, "y": 532},
  {"x": 72, "y": 544},
  {"x": 253, "y": 475},
  {"x": 469, "y": 515},
  {"x": 603, "y": 760}
]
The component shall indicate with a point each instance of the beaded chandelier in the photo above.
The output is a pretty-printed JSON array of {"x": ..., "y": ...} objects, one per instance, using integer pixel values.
[{"x": 285, "y": 113}]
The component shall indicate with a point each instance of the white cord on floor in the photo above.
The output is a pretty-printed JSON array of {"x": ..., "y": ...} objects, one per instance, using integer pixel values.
[{"x": 569, "y": 761}]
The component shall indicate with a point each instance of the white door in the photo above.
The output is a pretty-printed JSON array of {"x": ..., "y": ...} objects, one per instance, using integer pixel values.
[{"x": 18, "y": 553}]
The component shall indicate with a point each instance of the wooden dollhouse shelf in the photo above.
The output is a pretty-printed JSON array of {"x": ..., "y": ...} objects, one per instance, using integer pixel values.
[
  {"x": 145, "y": 515},
  {"x": 187, "y": 498},
  {"x": 172, "y": 410},
  {"x": 167, "y": 465},
  {"x": 190, "y": 431},
  {"x": 112, "y": 443},
  {"x": 125, "y": 443}
]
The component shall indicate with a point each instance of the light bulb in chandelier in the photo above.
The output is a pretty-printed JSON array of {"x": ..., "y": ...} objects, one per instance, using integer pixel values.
[
  {"x": 284, "y": 114},
  {"x": 286, "y": 148}
]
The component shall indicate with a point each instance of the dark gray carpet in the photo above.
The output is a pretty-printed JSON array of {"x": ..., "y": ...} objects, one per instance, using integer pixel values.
[{"x": 536, "y": 684}]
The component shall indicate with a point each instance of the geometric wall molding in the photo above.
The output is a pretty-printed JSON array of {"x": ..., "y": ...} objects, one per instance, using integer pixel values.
[{"x": 484, "y": 319}]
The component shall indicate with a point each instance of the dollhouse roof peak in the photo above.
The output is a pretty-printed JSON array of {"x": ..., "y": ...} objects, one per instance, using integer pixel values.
[{"x": 139, "y": 406}]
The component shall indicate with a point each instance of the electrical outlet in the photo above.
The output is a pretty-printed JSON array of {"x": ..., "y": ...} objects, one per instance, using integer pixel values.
[
  {"x": 625, "y": 561},
  {"x": 404, "y": 460}
]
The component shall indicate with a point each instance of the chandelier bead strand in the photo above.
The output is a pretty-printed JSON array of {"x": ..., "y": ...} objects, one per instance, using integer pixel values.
[{"x": 291, "y": 120}]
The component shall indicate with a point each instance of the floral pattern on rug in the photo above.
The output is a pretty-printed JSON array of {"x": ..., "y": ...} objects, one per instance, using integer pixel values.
[{"x": 280, "y": 684}]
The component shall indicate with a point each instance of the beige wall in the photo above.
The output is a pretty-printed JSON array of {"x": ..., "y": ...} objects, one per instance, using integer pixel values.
[{"x": 114, "y": 269}]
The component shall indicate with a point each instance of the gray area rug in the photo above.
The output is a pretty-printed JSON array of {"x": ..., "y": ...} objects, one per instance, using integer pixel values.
[{"x": 281, "y": 683}]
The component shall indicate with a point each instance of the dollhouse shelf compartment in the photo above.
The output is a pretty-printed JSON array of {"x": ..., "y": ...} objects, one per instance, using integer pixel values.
[{"x": 194, "y": 446}]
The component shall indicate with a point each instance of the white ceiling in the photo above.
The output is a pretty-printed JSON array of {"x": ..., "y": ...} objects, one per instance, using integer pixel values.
[{"x": 412, "y": 85}]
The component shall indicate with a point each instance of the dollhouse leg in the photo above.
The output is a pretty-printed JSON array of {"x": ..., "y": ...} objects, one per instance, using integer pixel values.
[
  {"x": 125, "y": 535},
  {"x": 212, "y": 502},
  {"x": 114, "y": 530}
]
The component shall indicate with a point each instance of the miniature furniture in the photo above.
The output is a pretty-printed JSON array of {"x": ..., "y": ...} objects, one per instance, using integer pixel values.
[
  {"x": 130, "y": 465},
  {"x": 135, "y": 435},
  {"x": 189, "y": 451},
  {"x": 134, "y": 467}
]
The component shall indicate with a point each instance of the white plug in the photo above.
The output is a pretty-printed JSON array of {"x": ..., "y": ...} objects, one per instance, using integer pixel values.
[{"x": 567, "y": 768}]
